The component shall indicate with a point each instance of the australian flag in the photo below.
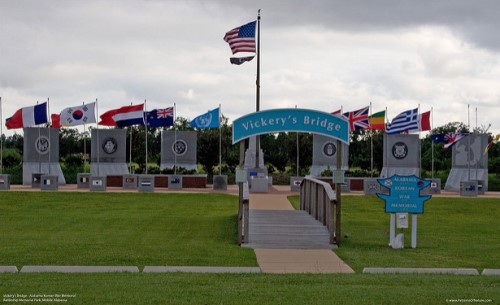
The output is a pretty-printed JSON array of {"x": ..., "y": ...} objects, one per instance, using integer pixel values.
[
  {"x": 449, "y": 139},
  {"x": 159, "y": 117}
]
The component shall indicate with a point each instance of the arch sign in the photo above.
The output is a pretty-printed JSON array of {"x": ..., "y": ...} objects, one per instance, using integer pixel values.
[{"x": 291, "y": 119}]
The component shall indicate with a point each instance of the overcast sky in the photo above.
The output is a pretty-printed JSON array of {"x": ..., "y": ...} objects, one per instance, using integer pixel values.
[{"x": 318, "y": 54}]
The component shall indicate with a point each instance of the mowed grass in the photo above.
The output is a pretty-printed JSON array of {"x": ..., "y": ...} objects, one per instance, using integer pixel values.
[
  {"x": 452, "y": 233},
  {"x": 137, "y": 229},
  {"x": 300, "y": 289}
]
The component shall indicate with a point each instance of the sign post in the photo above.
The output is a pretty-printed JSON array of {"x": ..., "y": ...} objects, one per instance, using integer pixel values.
[{"x": 404, "y": 197}]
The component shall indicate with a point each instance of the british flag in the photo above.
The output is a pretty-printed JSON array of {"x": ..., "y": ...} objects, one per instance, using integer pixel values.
[
  {"x": 164, "y": 113},
  {"x": 358, "y": 119}
]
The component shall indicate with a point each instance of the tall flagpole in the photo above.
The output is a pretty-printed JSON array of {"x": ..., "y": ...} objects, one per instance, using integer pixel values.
[
  {"x": 146, "y": 128},
  {"x": 1, "y": 137},
  {"x": 257, "y": 102},
  {"x": 432, "y": 144},
  {"x": 49, "y": 130},
  {"x": 468, "y": 140},
  {"x": 97, "y": 134},
  {"x": 220, "y": 142},
  {"x": 297, "y": 135},
  {"x": 371, "y": 142},
  {"x": 420, "y": 143},
  {"x": 175, "y": 140},
  {"x": 84, "y": 146},
  {"x": 130, "y": 149}
]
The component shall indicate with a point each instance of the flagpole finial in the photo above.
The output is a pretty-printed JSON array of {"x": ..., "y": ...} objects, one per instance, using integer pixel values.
[{"x": 258, "y": 14}]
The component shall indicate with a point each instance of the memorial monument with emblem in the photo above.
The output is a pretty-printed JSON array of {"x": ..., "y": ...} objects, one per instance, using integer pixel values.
[
  {"x": 41, "y": 155},
  {"x": 325, "y": 155},
  {"x": 401, "y": 155},
  {"x": 178, "y": 150},
  {"x": 108, "y": 152}
]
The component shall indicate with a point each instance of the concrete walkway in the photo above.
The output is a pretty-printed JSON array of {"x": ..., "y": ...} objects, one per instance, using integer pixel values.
[{"x": 289, "y": 241}]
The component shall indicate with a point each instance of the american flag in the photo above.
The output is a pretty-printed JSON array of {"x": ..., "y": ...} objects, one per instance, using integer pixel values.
[
  {"x": 164, "y": 113},
  {"x": 358, "y": 119},
  {"x": 242, "y": 39}
]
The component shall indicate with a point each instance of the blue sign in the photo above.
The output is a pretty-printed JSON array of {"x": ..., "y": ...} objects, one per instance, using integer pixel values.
[
  {"x": 291, "y": 119},
  {"x": 404, "y": 194}
]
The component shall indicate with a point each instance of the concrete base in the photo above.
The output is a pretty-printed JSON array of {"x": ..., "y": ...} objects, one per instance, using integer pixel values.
[
  {"x": 146, "y": 183},
  {"x": 468, "y": 189},
  {"x": 97, "y": 183},
  {"x": 175, "y": 182},
  {"x": 4, "y": 182},
  {"x": 36, "y": 180},
  {"x": 259, "y": 185},
  {"x": 434, "y": 187},
  {"x": 130, "y": 182},
  {"x": 371, "y": 186},
  {"x": 220, "y": 182},
  {"x": 49, "y": 183},
  {"x": 83, "y": 181},
  {"x": 295, "y": 183}
]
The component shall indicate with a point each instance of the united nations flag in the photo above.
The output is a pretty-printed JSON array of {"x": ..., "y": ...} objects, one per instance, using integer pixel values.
[{"x": 207, "y": 120}]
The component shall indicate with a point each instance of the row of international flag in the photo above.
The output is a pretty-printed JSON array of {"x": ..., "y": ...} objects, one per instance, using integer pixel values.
[{"x": 120, "y": 117}]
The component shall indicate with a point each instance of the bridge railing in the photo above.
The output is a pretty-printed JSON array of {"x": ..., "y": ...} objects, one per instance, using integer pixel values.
[
  {"x": 319, "y": 200},
  {"x": 243, "y": 214}
]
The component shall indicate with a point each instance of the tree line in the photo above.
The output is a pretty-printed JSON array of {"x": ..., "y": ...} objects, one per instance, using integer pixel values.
[{"x": 280, "y": 152}]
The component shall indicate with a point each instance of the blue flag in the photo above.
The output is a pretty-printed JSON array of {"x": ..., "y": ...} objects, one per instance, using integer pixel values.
[
  {"x": 207, "y": 120},
  {"x": 159, "y": 117}
]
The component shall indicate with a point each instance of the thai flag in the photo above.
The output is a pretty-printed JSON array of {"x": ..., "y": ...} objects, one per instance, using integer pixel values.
[{"x": 28, "y": 117}]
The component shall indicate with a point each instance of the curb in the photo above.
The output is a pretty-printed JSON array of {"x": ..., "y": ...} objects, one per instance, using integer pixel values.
[
  {"x": 79, "y": 269},
  {"x": 454, "y": 271},
  {"x": 189, "y": 269}
]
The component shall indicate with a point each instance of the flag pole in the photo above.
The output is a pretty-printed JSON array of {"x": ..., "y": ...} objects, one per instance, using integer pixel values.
[
  {"x": 175, "y": 140},
  {"x": 432, "y": 144},
  {"x": 297, "y": 135},
  {"x": 146, "y": 128},
  {"x": 130, "y": 149},
  {"x": 97, "y": 134},
  {"x": 257, "y": 102},
  {"x": 220, "y": 142},
  {"x": 371, "y": 142},
  {"x": 420, "y": 144},
  {"x": 1, "y": 137},
  {"x": 50, "y": 132},
  {"x": 468, "y": 140},
  {"x": 84, "y": 145}
]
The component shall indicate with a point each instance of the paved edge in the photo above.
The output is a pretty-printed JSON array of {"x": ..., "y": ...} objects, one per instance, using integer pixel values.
[
  {"x": 8, "y": 269},
  {"x": 454, "y": 271},
  {"x": 192, "y": 269},
  {"x": 491, "y": 272},
  {"x": 79, "y": 269}
]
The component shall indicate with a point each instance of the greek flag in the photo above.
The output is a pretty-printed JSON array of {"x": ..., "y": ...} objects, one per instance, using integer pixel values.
[{"x": 403, "y": 122}]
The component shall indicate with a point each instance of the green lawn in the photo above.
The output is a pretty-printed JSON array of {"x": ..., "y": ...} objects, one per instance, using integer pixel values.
[
  {"x": 138, "y": 229},
  {"x": 259, "y": 289},
  {"x": 142, "y": 229},
  {"x": 452, "y": 233}
]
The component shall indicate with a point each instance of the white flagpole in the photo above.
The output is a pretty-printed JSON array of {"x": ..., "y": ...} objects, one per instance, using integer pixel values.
[
  {"x": 175, "y": 140},
  {"x": 297, "y": 135},
  {"x": 84, "y": 145},
  {"x": 468, "y": 140},
  {"x": 371, "y": 141},
  {"x": 146, "y": 129},
  {"x": 220, "y": 142},
  {"x": 419, "y": 123},
  {"x": 130, "y": 149},
  {"x": 97, "y": 134},
  {"x": 50, "y": 132},
  {"x": 1, "y": 137},
  {"x": 432, "y": 144}
]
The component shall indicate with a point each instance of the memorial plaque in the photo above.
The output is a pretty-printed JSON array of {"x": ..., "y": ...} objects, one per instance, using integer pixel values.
[
  {"x": 325, "y": 155},
  {"x": 178, "y": 148},
  {"x": 401, "y": 155},
  {"x": 109, "y": 149}
]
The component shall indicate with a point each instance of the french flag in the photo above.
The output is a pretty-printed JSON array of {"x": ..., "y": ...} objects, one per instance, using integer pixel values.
[
  {"x": 124, "y": 116},
  {"x": 28, "y": 117}
]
